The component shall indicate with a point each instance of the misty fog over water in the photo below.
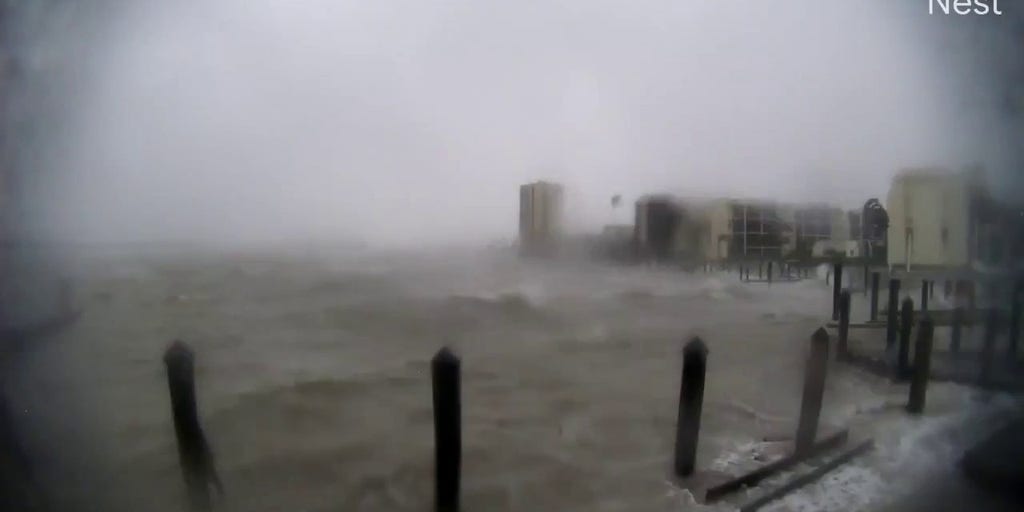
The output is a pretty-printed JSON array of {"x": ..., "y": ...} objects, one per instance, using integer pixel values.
[
  {"x": 399, "y": 123},
  {"x": 303, "y": 192},
  {"x": 314, "y": 388}
]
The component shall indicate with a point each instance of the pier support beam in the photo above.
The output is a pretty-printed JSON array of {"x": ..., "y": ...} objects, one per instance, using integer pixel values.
[
  {"x": 893, "y": 308},
  {"x": 874, "y": 297},
  {"x": 194, "y": 452},
  {"x": 446, "y": 376},
  {"x": 922, "y": 367},
  {"x": 837, "y": 285},
  {"x": 844, "y": 325},
  {"x": 814, "y": 391},
  {"x": 691, "y": 400},
  {"x": 1014, "y": 334},
  {"x": 957, "y": 330},
  {"x": 988, "y": 348},
  {"x": 906, "y": 323}
]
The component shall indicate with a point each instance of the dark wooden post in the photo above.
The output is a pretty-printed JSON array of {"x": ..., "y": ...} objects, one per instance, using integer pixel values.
[
  {"x": 691, "y": 400},
  {"x": 988, "y": 347},
  {"x": 893, "y": 310},
  {"x": 760, "y": 270},
  {"x": 814, "y": 391},
  {"x": 958, "y": 324},
  {"x": 837, "y": 285},
  {"x": 867, "y": 270},
  {"x": 844, "y": 324},
  {"x": 922, "y": 366},
  {"x": 874, "y": 296},
  {"x": 931, "y": 289},
  {"x": 924, "y": 295},
  {"x": 1014, "y": 335},
  {"x": 194, "y": 453},
  {"x": 445, "y": 373},
  {"x": 770, "y": 271},
  {"x": 906, "y": 322}
]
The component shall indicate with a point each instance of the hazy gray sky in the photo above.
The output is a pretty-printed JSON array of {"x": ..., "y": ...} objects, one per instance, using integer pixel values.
[{"x": 401, "y": 122}]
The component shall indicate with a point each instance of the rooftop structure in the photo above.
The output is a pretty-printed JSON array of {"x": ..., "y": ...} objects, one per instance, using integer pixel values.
[
  {"x": 540, "y": 218},
  {"x": 940, "y": 218}
]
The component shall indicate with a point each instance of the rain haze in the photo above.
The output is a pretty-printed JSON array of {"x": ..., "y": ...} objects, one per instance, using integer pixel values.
[
  {"x": 244, "y": 243},
  {"x": 402, "y": 123}
]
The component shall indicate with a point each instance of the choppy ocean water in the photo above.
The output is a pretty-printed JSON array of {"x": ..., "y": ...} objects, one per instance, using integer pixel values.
[{"x": 313, "y": 381}]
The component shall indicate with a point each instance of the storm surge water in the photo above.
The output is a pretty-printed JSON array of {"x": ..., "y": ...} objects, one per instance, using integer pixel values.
[{"x": 313, "y": 378}]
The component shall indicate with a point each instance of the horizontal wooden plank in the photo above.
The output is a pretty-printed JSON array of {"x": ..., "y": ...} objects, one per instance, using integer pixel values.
[
  {"x": 717, "y": 492},
  {"x": 810, "y": 477}
]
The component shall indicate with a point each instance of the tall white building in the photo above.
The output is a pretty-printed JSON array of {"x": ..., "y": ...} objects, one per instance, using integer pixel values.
[{"x": 540, "y": 217}]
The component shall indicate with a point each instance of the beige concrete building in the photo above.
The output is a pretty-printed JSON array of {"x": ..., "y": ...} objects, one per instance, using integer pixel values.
[
  {"x": 756, "y": 229},
  {"x": 697, "y": 229},
  {"x": 540, "y": 217},
  {"x": 938, "y": 218}
]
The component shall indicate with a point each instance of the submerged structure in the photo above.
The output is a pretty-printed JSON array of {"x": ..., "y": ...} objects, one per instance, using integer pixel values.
[
  {"x": 666, "y": 228},
  {"x": 944, "y": 219},
  {"x": 540, "y": 218},
  {"x": 737, "y": 229}
]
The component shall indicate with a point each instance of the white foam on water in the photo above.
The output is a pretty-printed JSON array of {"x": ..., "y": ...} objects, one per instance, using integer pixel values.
[
  {"x": 714, "y": 288},
  {"x": 850, "y": 487},
  {"x": 738, "y": 459},
  {"x": 907, "y": 451}
]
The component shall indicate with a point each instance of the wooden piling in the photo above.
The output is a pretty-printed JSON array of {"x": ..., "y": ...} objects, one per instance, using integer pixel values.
[
  {"x": 837, "y": 285},
  {"x": 875, "y": 276},
  {"x": 906, "y": 323},
  {"x": 922, "y": 366},
  {"x": 867, "y": 270},
  {"x": 844, "y": 324},
  {"x": 770, "y": 271},
  {"x": 194, "y": 452},
  {"x": 760, "y": 270},
  {"x": 691, "y": 400},
  {"x": 988, "y": 348},
  {"x": 445, "y": 373},
  {"x": 814, "y": 391},
  {"x": 957, "y": 329},
  {"x": 1014, "y": 334},
  {"x": 890, "y": 320}
]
